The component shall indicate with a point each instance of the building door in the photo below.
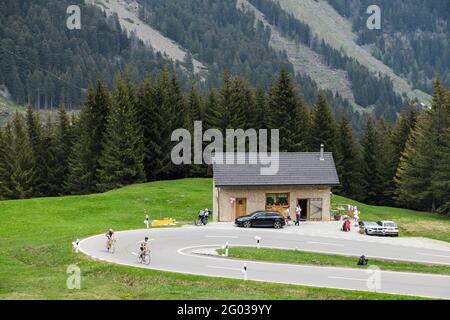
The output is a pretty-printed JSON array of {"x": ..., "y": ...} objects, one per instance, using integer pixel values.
[
  {"x": 315, "y": 209},
  {"x": 305, "y": 208},
  {"x": 240, "y": 208}
]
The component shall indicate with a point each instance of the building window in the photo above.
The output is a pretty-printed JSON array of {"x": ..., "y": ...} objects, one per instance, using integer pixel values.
[{"x": 277, "y": 199}]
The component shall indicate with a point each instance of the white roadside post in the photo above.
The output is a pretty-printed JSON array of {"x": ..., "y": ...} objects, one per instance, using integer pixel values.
[
  {"x": 258, "y": 240},
  {"x": 76, "y": 245},
  {"x": 244, "y": 271},
  {"x": 226, "y": 249}
]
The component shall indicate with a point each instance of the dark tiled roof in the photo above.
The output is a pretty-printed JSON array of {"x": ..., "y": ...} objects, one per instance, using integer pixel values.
[{"x": 295, "y": 168}]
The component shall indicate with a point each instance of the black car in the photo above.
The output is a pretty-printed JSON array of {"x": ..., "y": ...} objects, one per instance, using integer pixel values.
[{"x": 270, "y": 219}]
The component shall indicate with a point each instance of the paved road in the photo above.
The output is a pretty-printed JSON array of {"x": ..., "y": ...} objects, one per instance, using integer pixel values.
[{"x": 173, "y": 250}]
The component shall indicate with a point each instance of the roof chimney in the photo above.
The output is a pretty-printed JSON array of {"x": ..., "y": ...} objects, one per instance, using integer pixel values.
[{"x": 322, "y": 158}]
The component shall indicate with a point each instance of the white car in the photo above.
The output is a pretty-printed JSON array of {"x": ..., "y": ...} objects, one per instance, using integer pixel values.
[
  {"x": 389, "y": 228},
  {"x": 370, "y": 228}
]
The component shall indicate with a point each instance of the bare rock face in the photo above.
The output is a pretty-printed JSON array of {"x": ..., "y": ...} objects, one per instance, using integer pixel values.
[{"x": 4, "y": 92}]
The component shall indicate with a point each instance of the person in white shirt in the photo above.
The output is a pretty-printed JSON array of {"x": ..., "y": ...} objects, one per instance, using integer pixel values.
[
  {"x": 144, "y": 247},
  {"x": 298, "y": 214},
  {"x": 146, "y": 221},
  {"x": 356, "y": 217},
  {"x": 288, "y": 215}
]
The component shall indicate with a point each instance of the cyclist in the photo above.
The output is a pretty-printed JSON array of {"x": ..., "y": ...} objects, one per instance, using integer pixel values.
[
  {"x": 110, "y": 236},
  {"x": 205, "y": 216},
  {"x": 144, "y": 247}
]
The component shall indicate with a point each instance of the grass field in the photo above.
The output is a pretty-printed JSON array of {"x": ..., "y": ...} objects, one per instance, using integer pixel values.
[
  {"x": 320, "y": 259},
  {"x": 35, "y": 248}
]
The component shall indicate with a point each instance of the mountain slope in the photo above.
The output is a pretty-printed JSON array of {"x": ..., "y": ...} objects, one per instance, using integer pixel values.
[
  {"x": 44, "y": 63},
  {"x": 128, "y": 14},
  {"x": 304, "y": 60},
  {"x": 416, "y": 46},
  {"x": 336, "y": 31}
]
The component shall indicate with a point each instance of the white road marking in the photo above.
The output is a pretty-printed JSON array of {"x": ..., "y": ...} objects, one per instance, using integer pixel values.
[
  {"x": 432, "y": 255},
  {"x": 343, "y": 278},
  {"x": 225, "y": 268},
  {"x": 327, "y": 244}
]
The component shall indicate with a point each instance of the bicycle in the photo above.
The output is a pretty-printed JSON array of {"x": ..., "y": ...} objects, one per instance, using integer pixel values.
[
  {"x": 144, "y": 257},
  {"x": 111, "y": 245},
  {"x": 199, "y": 221},
  {"x": 202, "y": 218}
]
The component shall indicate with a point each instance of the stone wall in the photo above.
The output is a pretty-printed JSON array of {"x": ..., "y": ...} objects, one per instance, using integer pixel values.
[{"x": 223, "y": 209}]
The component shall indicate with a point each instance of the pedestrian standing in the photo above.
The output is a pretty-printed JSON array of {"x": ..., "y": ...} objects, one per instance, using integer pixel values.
[
  {"x": 356, "y": 217},
  {"x": 347, "y": 225},
  {"x": 288, "y": 215},
  {"x": 146, "y": 221},
  {"x": 298, "y": 214}
]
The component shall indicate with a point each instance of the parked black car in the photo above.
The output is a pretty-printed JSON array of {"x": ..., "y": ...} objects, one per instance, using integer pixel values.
[{"x": 270, "y": 219}]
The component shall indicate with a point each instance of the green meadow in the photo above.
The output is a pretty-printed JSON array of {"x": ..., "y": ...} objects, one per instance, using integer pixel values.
[{"x": 36, "y": 236}]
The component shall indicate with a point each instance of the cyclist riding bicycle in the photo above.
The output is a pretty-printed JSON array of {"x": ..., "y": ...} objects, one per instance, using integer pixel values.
[
  {"x": 144, "y": 247},
  {"x": 206, "y": 216},
  {"x": 110, "y": 236}
]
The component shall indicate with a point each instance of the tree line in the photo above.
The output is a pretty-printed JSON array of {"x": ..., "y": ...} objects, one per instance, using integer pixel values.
[{"x": 123, "y": 136}]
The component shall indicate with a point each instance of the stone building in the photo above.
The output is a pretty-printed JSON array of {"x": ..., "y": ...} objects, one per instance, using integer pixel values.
[{"x": 304, "y": 179}]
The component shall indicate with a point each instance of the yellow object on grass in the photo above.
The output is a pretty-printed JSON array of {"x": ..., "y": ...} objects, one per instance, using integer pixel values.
[{"x": 165, "y": 222}]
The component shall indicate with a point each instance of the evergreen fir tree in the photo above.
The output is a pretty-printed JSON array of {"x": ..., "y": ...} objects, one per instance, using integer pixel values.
[
  {"x": 241, "y": 104},
  {"x": 402, "y": 130},
  {"x": 171, "y": 112},
  {"x": 227, "y": 115},
  {"x": 260, "y": 118},
  {"x": 351, "y": 161},
  {"x": 158, "y": 116},
  {"x": 441, "y": 176},
  {"x": 287, "y": 114},
  {"x": 180, "y": 118},
  {"x": 301, "y": 122},
  {"x": 49, "y": 153},
  {"x": 64, "y": 141},
  {"x": 386, "y": 160},
  {"x": 6, "y": 162},
  {"x": 418, "y": 164},
  {"x": 121, "y": 159},
  {"x": 372, "y": 175},
  {"x": 212, "y": 112},
  {"x": 22, "y": 174},
  {"x": 80, "y": 179},
  {"x": 324, "y": 127},
  {"x": 151, "y": 122},
  {"x": 195, "y": 104},
  {"x": 35, "y": 139},
  {"x": 91, "y": 127}
]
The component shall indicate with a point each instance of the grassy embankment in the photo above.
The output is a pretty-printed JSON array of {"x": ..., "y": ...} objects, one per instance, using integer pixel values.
[{"x": 36, "y": 235}]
